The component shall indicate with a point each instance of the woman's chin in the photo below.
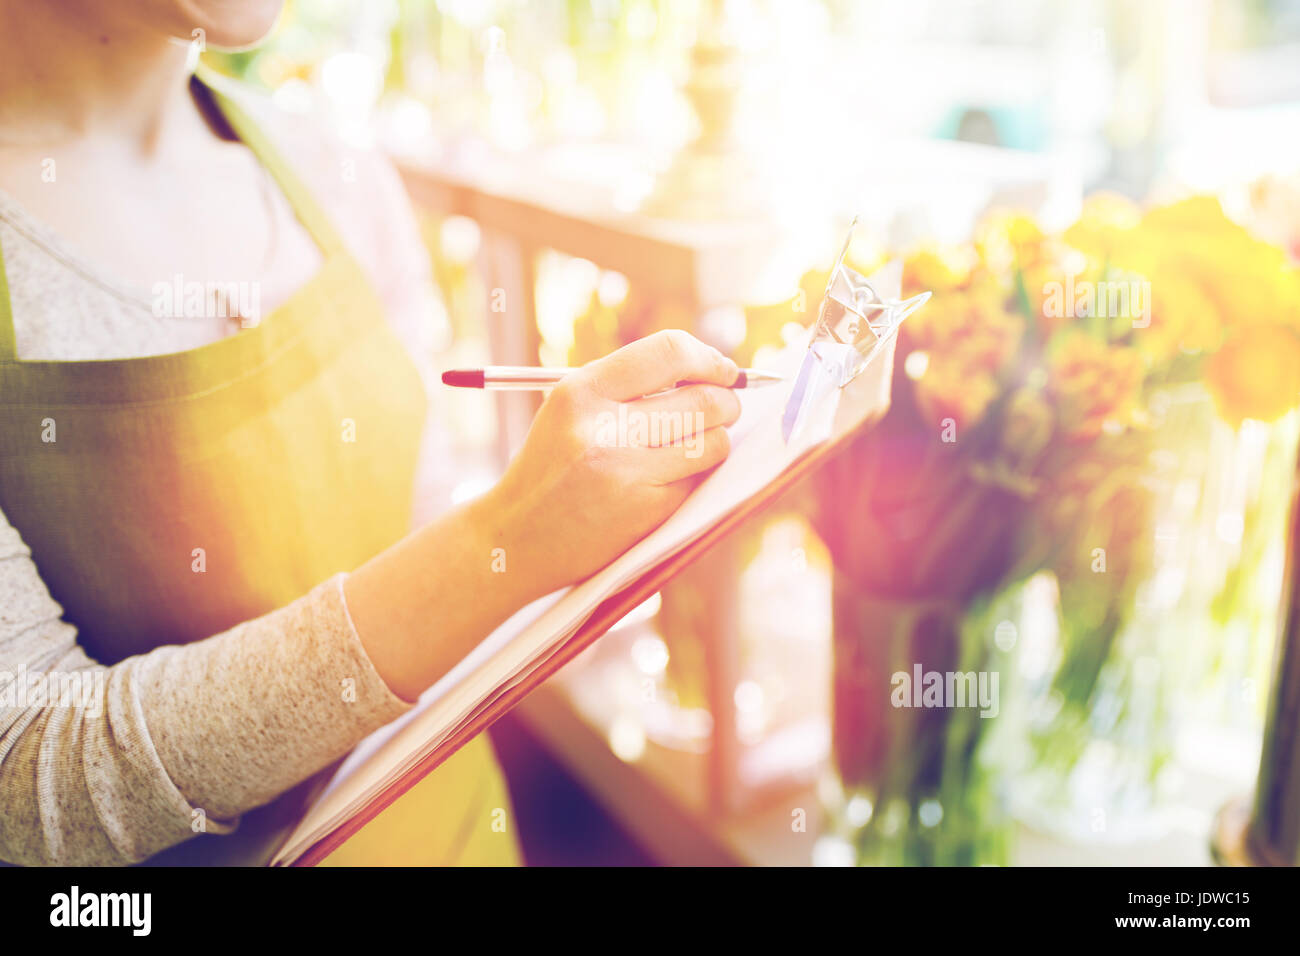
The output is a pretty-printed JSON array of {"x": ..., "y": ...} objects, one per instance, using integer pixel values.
[{"x": 227, "y": 24}]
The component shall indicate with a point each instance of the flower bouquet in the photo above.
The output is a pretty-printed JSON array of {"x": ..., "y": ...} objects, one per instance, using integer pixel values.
[{"x": 1038, "y": 432}]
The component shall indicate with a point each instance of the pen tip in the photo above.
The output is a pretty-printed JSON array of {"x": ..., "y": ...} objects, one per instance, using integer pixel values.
[{"x": 750, "y": 378}]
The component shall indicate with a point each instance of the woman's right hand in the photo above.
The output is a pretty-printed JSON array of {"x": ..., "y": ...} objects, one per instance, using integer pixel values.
[{"x": 606, "y": 460}]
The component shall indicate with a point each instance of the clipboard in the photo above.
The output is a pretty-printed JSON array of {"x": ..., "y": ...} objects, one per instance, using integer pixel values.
[{"x": 861, "y": 401}]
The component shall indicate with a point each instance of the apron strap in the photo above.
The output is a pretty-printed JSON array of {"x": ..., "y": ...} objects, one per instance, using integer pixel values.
[
  {"x": 8, "y": 346},
  {"x": 304, "y": 205}
]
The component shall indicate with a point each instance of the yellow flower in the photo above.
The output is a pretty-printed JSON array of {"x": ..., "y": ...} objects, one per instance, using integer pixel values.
[
  {"x": 1256, "y": 287},
  {"x": 1093, "y": 383},
  {"x": 1104, "y": 225},
  {"x": 1209, "y": 275},
  {"x": 1256, "y": 374},
  {"x": 1247, "y": 280},
  {"x": 936, "y": 269},
  {"x": 1196, "y": 214},
  {"x": 1181, "y": 315},
  {"x": 1008, "y": 239}
]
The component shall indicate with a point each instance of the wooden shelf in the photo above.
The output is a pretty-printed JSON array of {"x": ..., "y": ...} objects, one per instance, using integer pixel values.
[{"x": 660, "y": 798}]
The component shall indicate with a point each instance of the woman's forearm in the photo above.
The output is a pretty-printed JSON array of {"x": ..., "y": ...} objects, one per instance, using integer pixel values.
[
  {"x": 423, "y": 604},
  {"x": 110, "y": 765}
]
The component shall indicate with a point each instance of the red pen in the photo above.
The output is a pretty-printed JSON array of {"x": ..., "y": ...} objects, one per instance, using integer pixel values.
[{"x": 520, "y": 378}]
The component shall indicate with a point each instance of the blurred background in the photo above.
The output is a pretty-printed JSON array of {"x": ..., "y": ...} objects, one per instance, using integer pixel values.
[{"x": 1107, "y": 531}]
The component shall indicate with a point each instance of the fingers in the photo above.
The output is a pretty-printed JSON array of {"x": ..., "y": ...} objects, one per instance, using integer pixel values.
[
  {"x": 671, "y": 417},
  {"x": 697, "y": 454},
  {"x": 657, "y": 362}
]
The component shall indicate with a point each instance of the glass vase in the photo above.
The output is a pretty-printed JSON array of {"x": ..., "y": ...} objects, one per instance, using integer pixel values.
[
  {"x": 1112, "y": 711},
  {"x": 910, "y": 783}
]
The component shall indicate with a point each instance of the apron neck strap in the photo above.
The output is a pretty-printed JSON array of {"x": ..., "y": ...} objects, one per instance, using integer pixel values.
[
  {"x": 8, "y": 347},
  {"x": 304, "y": 205}
]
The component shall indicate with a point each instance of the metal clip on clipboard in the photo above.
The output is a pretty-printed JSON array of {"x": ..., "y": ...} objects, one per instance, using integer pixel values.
[{"x": 853, "y": 323}]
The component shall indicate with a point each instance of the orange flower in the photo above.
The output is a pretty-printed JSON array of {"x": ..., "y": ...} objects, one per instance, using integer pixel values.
[
  {"x": 968, "y": 337},
  {"x": 952, "y": 389},
  {"x": 1093, "y": 383},
  {"x": 936, "y": 269},
  {"x": 973, "y": 325},
  {"x": 1256, "y": 374}
]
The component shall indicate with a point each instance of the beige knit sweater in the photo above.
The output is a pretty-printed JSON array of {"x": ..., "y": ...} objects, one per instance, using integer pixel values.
[{"x": 165, "y": 739}]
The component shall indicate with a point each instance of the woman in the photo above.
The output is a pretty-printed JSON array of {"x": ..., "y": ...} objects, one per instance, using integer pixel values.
[{"x": 207, "y": 515}]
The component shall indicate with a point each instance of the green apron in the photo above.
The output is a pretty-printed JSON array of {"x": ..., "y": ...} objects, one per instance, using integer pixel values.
[{"x": 240, "y": 448}]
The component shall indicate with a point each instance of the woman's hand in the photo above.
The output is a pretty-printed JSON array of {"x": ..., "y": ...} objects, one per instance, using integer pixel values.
[{"x": 606, "y": 460}]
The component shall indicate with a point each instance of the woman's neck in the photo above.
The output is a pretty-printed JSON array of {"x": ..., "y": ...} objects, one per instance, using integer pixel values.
[{"x": 72, "y": 70}]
